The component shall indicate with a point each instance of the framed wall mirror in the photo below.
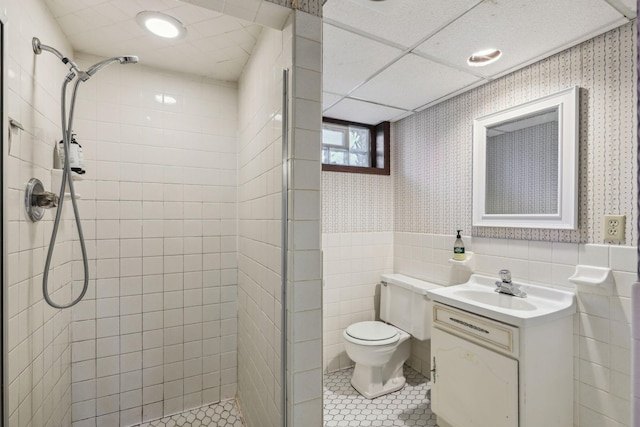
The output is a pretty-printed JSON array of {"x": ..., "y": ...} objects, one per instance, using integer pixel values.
[{"x": 525, "y": 164}]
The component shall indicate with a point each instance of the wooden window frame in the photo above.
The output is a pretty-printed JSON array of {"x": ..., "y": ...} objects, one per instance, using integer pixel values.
[{"x": 380, "y": 131}]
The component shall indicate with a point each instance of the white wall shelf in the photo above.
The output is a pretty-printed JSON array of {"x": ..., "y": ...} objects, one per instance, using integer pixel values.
[
  {"x": 468, "y": 264},
  {"x": 592, "y": 279}
]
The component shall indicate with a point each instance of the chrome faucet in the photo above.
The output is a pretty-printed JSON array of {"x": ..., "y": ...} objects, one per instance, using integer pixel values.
[{"x": 506, "y": 286}]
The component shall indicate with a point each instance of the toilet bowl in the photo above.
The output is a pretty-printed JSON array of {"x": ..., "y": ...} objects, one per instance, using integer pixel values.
[
  {"x": 379, "y": 352},
  {"x": 379, "y": 349}
]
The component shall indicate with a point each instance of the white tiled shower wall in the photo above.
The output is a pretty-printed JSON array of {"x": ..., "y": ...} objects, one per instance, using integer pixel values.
[
  {"x": 297, "y": 47},
  {"x": 304, "y": 284},
  {"x": 147, "y": 239},
  {"x": 39, "y": 352},
  {"x": 259, "y": 227},
  {"x": 431, "y": 192},
  {"x": 156, "y": 334}
]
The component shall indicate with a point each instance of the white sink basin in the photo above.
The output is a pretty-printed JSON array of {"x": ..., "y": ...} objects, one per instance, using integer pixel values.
[{"x": 478, "y": 296}]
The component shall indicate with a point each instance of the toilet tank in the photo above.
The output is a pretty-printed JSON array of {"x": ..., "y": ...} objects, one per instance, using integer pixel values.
[{"x": 404, "y": 304}]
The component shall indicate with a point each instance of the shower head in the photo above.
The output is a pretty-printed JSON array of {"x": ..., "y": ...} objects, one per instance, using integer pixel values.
[
  {"x": 130, "y": 59},
  {"x": 38, "y": 47}
]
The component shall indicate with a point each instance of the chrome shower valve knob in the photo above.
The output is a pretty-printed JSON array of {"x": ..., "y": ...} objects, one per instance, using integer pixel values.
[
  {"x": 36, "y": 200},
  {"x": 45, "y": 199}
]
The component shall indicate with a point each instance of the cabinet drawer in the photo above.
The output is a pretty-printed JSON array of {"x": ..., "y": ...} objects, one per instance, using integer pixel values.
[{"x": 485, "y": 331}]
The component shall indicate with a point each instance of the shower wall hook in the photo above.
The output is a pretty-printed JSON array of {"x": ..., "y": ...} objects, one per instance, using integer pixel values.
[{"x": 13, "y": 124}]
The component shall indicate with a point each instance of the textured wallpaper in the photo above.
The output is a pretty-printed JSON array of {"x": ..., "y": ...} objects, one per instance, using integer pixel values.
[
  {"x": 432, "y": 164},
  {"x": 314, "y": 7},
  {"x": 522, "y": 171},
  {"x": 356, "y": 203}
]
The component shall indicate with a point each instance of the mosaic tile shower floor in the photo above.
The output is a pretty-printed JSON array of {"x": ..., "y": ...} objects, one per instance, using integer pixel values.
[
  {"x": 344, "y": 407},
  {"x": 223, "y": 414}
]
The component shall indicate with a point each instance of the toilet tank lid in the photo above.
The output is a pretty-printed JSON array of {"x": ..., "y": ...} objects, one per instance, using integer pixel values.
[{"x": 414, "y": 285}]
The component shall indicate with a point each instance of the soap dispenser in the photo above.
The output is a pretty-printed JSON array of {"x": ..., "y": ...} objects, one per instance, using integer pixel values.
[{"x": 458, "y": 248}]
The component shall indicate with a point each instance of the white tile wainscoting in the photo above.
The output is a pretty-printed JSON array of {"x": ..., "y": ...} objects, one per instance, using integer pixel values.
[
  {"x": 353, "y": 263},
  {"x": 602, "y": 329}
]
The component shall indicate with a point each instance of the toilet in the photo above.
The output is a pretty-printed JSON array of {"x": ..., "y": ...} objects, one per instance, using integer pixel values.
[{"x": 380, "y": 348}]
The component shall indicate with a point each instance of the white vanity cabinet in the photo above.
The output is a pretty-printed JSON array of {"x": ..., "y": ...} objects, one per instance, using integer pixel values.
[{"x": 487, "y": 373}]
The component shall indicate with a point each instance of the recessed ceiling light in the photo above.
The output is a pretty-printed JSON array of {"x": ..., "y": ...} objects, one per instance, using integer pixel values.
[
  {"x": 161, "y": 24},
  {"x": 484, "y": 57}
]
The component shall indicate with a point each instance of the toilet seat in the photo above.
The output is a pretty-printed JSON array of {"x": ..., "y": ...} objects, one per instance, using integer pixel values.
[{"x": 372, "y": 333}]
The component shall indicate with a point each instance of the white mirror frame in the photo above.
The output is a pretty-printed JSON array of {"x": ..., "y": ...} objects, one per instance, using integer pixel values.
[{"x": 567, "y": 216}]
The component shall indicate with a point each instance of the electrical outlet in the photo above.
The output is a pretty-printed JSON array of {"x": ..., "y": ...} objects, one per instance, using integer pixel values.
[{"x": 614, "y": 227}]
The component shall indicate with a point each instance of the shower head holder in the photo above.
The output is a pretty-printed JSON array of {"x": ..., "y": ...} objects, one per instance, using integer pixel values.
[
  {"x": 35, "y": 44},
  {"x": 38, "y": 47}
]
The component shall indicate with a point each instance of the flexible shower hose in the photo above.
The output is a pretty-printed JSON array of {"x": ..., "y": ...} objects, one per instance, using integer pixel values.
[{"x": 66, "y": 176}]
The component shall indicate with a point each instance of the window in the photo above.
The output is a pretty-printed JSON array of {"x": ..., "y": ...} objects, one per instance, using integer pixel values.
[{"x": 355, "y": 147}]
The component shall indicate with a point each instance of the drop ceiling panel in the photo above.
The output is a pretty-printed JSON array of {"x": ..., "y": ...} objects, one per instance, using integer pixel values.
[
  {"x": 630, "y": 5},
  {"x": 349, "y": 59},
  {"x": 362, "y": 112},
  {"x": 216, "y": 45},
  {"x": 522, "y": 29},
  {"x": 413, "y": 81},
  {"x": 328, "y": 99},
  {"x": 263, "y": 12},
  {"x": 403, "y": 22}
]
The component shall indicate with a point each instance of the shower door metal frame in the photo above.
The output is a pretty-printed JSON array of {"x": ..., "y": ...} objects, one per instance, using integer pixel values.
[
  {"x": 285, "y": 244},
  {"x": 4, "y": 321}
]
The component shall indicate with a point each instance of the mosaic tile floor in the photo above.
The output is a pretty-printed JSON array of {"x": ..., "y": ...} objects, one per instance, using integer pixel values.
[
  {"x": 344, "y": 407},
  {"x": 223, "y": 414}
]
